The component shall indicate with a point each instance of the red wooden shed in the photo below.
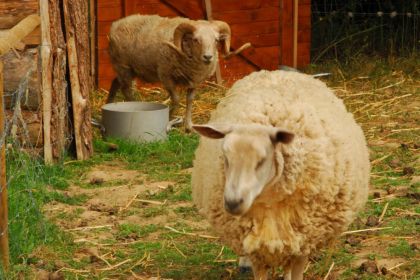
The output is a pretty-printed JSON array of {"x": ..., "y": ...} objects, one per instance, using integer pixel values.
[{"x": 267, "y": 24}]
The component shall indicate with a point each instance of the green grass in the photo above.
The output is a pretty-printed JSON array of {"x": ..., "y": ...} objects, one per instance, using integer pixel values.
[
  {"x": 159, "y": 160},
  {"x": 135, "y": 231},
  {"x": 28, "y": 179},
  {"x": 402, "y": 249},
  {"x": 32, "y": 184}
]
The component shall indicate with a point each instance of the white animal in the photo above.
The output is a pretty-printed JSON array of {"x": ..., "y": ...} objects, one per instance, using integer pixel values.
[
  {"x": 288, "y": 174},
  {"x": 174, "y": 51}
]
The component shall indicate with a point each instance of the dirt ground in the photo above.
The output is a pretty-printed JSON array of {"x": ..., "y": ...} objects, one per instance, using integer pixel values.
[
  {"x": 115, "y": 201},
  {"x": 116, "y": 197}
]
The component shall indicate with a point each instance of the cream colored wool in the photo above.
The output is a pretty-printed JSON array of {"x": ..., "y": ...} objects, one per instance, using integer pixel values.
[{"x": 326, "y": 169}]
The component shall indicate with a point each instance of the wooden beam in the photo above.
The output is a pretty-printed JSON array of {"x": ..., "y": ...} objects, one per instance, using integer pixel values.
[
  {"x": 92, "y": 34},
  {"x": 4, "y": 239},
  {"x": 46, "y": 64},
  {"x": 18, "y": 32},
  {"x": 59, "y": 100},
  {"x": 209, "y": 15},
  {"x": 78, "y": 53},
  {"x": 295, "y": 31},
  {"x": 129, "y": 7}
]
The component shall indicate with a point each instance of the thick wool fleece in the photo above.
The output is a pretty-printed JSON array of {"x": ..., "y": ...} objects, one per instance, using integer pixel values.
[
  {"x": 137, "y": 48},
  {"x": 326, "y": 168}
]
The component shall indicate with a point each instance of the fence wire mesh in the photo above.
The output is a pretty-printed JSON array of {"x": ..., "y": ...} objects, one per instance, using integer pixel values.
[
  {"x": 343, "y": 29},
  {"x": 27, "y": 176}
]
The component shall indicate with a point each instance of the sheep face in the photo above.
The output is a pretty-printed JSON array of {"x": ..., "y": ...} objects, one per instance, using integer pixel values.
[
  {"x": 200, "y": 41},
  {"x": 202, "y": 44},
  {"x": 250, "y": 161}
]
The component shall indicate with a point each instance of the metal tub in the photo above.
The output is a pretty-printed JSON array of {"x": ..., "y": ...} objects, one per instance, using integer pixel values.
[{"x": 138, "y": 121}]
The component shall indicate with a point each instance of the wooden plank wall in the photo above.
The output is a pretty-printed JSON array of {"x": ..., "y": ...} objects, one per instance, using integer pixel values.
[
  {"x": 107, "y": 12},
  {"x": 304, "y": 32},
  {"x": 267, "y": 24},
  {"x": 254, "y": 21}
]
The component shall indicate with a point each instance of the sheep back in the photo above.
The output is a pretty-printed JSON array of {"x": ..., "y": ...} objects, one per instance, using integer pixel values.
[
  {"x": 137, "y": 47},
  {"x": 326, "y": 170}
]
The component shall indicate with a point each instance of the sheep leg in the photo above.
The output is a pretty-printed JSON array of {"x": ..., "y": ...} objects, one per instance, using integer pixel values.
[
  {"x": 287, "y": 275},
  {"x": 126, "y": 88},
  {"x": 298, "y": 267},
  {"x": 260, "y": 272},
  {"x": 174, "y": 100},
  {"x": 115, "y": 86},
  {"x": 188, "y": 112}
]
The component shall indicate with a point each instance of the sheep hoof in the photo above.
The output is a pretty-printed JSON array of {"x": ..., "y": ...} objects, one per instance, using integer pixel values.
[{"x": 245, "y": 269}]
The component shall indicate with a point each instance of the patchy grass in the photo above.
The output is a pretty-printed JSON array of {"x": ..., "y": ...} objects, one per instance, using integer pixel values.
[{"x": 144, "y": 224}]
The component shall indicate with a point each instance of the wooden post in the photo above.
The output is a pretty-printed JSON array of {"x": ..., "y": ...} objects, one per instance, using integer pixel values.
[
  {"x": 209, "y": 14},
  {"x": 78, "y": 53},
  {"x": 92, "y": 21},
  {"x": 46, "y": 79},
  {"x": 4, "y": 239},
  {"x": 59, "y": 108},
  {"x": 295, "y": 31}
]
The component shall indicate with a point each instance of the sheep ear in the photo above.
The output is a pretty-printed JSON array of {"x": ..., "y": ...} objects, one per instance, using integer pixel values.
[
  {"x": 281, "y": 136},
  {"x": 211, "y": 131}
]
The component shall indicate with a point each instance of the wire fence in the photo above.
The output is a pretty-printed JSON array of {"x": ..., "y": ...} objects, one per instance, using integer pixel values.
[
  {"x": 346, "y": 28},
  {"x": 26, "y": 174}
]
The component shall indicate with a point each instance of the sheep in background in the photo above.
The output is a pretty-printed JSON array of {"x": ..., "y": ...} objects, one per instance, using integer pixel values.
[
  {"x": 174, "y": 51},
  {"x": 288, "y": 175}
]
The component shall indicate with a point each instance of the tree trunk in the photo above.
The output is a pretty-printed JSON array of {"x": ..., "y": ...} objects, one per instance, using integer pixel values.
[
  {"x": 78, "y": 52},
  {"x": 59, "y": 128}
]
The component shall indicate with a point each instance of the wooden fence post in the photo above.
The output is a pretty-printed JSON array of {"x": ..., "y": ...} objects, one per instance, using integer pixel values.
[
  {"x": 46, "y": 79},
  {"x": 78, "y": 54},
  {"x": 59, "y": 111},
  {"x": 4, "y": 239},
  {"x": 209, "y": 15},
  {"x": 295, "y": 31}
]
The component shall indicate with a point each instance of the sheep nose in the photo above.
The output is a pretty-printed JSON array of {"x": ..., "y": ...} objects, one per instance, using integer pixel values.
[
  {"x": 207, "y": 57},
  {"x": 232, "y": 206}
]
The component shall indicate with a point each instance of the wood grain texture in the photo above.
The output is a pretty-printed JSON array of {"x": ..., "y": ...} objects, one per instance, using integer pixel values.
[
  {"x": 13, "y": 11},
  {"x": 46, "y": 80},
  {"x": 59, "y": 124},
  {"x": 76, "y": 22}
]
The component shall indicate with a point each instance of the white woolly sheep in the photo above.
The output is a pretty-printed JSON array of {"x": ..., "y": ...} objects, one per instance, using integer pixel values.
[
  {"x": 289, "y": 174},
  {"x": 174, "y": 51}
]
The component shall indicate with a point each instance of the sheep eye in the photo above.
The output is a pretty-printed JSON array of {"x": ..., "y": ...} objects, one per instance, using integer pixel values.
[
  {"x": 260, "y": 164},
  {"x": 195, "y": 40},
  {"x": 226, "y": 162}
]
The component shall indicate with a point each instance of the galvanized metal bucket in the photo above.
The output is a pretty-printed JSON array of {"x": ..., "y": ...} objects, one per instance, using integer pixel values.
[{"x": 138, "y": 121}]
